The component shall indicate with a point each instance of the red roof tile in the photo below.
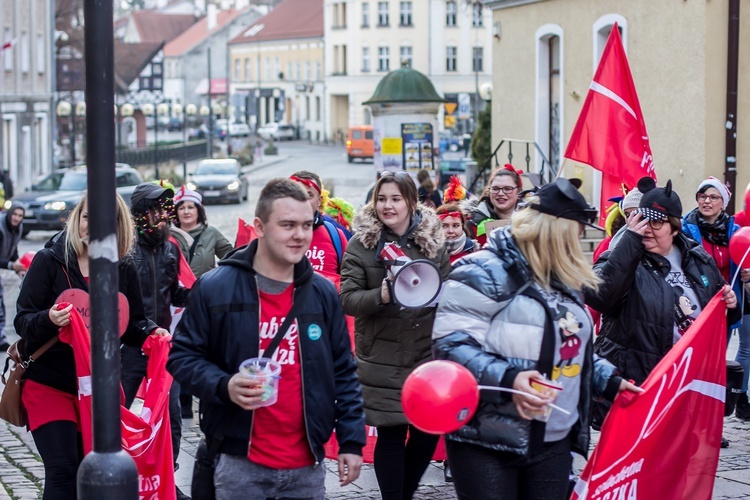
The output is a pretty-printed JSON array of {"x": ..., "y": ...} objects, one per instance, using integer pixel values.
[
  {"x": 290, "y": 19},
  {"x": 199, "y": 32},
  {"x": 157, "y": 27}
]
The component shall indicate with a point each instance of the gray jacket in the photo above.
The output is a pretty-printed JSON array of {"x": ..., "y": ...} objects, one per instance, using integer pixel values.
[{"x": 480, "y": 310}]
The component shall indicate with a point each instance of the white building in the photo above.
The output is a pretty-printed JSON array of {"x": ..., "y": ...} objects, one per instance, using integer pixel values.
[
  {"x": 26, "y": 74},
  {"x": 450, "y": 41}
]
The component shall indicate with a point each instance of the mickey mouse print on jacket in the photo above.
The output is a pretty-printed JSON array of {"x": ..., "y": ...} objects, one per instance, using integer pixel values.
[{"x": 568, "y": 328}]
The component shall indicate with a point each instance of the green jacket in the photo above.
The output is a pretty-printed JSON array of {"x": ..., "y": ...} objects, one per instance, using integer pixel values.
[
  {"x": 211, "y": 244},
  {"x": 390, "y": 341}
]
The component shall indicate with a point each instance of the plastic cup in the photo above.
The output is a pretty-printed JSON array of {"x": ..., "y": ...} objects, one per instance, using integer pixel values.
[
  {"x": 547, "y": 389},
  {"x": 265, "y": 374}
]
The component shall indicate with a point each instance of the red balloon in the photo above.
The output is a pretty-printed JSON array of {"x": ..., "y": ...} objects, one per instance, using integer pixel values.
[
  {"x": 440, "y": 397},
  {"x": 739, "y": 245},
  {"x": 26, "y": 259}
]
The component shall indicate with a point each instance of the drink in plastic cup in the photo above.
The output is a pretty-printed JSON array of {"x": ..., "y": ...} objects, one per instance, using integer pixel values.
[
  {"x": 265, "y": 373},
  {"x": 547, "y": 389}
]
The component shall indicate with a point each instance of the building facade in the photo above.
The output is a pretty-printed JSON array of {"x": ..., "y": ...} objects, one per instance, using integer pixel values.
[
  {"x": 26, "y": 77},
  {"x": 276, "y": 69},
  {"x": 450, "y": 41},
  {"x": 677, "y": 53}
]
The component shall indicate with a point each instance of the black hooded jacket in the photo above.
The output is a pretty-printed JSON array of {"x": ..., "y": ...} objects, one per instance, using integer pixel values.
[
  {"x": 46, "y": 279},
  {"x": 219, "y": 330}
]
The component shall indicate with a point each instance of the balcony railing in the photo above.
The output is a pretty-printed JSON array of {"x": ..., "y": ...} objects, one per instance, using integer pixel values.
[{"x": 506, "y": 150}]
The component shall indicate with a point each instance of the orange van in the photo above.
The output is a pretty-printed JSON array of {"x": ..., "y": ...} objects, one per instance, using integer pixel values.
[{"x": 359, "y": 143}]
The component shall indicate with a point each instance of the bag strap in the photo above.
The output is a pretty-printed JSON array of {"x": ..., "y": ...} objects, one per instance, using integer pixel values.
[
  {"x": 333, "y": 232},
  {"x": 191, "y": 252},
  {"x": 41, "y": 351},
  {"x": 299, "y": 298}
]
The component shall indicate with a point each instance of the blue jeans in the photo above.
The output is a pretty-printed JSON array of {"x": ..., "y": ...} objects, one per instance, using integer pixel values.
[{"x": 743, "y": 353}]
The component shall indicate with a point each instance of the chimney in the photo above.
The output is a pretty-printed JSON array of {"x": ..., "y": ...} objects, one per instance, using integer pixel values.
[{"x": 211, "y": 16}]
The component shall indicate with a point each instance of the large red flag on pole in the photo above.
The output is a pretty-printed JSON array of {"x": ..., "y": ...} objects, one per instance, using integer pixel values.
[
  {"x": 610, "y": 134},
  {"x": 664, "y": 443}
]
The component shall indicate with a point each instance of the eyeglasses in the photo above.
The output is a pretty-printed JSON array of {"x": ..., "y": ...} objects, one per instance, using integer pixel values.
[
  {"x": 393, "y": 173},
  {"x": 703, "y": 197},
  {"x": 504, "y": 189},
  {"x": 656, "y": 224}
]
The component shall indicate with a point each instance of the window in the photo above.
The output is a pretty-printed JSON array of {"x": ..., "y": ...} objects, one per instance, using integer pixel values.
[
  {"x": 365, "y": 59},
  {"x": 299, "y": 70},
  {"x": 382, "y": 13},
  {"x": 268, "y": 68},
  {"x": 307, "y": 107},
  {"x": 476, "y": 14},
  {"x": 308, "y": 71},
  {"x": 237, "y": 70},
  {"x": 450, "y": 59},
  {"x": 8, "y": 54},
  {"x": 248, "y": 74},
  {"x": 365, "y": 14},
  {"x": 156, "y": 69},
  {"x": 342, "y": 19},
  {"x": 450, "y": 13},
  {"x": 476, "y": 60},
  {"x": 317, "y": 108},
  {"x": 289, "y": 70},
  {"x": 318, "y": 71},
  {"x": 405, "y": 13},
  {"x": 40, "y": 54},
  {"x": 25, "y": 54},
  {"x": 277, "y": 67},
  {"x": 549, "y": 91},
  {"x": 383, "y": 64},
  {"x": 406, "y": 58}
]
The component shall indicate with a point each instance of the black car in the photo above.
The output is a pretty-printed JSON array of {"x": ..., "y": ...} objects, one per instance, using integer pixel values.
[
  {"x": 219, "y": 180},
  {"x": 50, "y": 200},
  {"x": 174, "y": 124}
]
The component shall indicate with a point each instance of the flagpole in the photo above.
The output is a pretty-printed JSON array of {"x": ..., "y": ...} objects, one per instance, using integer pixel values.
[{"x": 562, "y": 167}]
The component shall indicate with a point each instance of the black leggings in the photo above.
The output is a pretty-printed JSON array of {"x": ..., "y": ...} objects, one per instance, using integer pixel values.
[
  {"x": 61, "y": 448},
  {"x": 400, "y": 463},
  {"x": 481, "y": 473}
]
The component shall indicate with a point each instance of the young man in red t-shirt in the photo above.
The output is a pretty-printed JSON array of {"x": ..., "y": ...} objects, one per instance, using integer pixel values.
[
  {"x": 328, "y": 242},
  {"x": 234, "y": 313}
]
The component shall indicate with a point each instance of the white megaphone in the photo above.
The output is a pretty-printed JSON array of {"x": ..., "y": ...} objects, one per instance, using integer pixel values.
[{"x": 412, "y": 283}]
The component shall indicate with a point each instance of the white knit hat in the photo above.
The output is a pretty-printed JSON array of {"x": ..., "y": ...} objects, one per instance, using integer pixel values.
[
  {"x": 720, "y": 187},
  {"x": 185, "y": 194},
  {"x": 632, "y": 199}
]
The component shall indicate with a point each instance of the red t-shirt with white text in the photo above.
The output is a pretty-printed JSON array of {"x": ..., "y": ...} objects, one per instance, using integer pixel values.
[
  {"x": 278, "y": 438},
  {"x": 322, "y": 253}
]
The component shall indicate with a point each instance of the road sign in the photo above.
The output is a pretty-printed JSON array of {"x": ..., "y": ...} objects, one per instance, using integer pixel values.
[
  {"x": 450, "y": 121},
  {"x": 464, "y": 106},
  {"x": 450, "y": 107}
]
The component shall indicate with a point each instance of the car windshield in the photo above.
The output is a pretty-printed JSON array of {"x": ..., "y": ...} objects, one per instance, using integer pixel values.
[
  {"x": 455, "y": 165},
  {"x": 63, "y": 181},
  {"x": 216, "y": 169}
]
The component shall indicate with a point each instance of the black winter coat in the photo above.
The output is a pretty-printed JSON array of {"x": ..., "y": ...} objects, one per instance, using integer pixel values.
[
  {"x": 158, "y": 269},
  {"x": 637, "y": 303},
  {"x": 44, "y": 282},
  {"x": 219, "y": 330}
]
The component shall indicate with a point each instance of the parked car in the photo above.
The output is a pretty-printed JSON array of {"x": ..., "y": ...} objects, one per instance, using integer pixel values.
[
  {"x": 202, "y": 131},
  {"x": 450, "y": 142},
  {"x": 234, "y": 129},
  {"x": 174, "y": 124},
  {"x": 219, "y": 180},
  {"x": 359, "y": 143},
  {"x": 50, "y": 200},
  {"x": 277, "y": 131}
]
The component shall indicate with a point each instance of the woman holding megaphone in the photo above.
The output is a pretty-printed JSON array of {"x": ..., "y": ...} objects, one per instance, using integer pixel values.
[
  {"x": 513, "y": 314},
  {"x": 391, "y": 273}
]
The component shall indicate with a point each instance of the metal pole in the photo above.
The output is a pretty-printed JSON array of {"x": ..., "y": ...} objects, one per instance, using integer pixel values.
[
  {"x": 733, "y": 50},
  {"x": 156, "y": 141},
  {"x": 210, "y": 142},
  {"x": 73, "y": 133},
  {"x": 184, "y": 143},
  {"x": 107, "y": 472},
  {"x": 257, "y": 93}
]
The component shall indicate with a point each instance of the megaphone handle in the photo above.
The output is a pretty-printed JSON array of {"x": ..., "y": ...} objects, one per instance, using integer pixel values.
[{"x": 389, "y": 284}]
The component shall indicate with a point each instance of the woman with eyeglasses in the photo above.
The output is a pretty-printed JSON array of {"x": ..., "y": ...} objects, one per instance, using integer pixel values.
[
  {"x": 390, "y": 340},
  {"x": 712, "y": 227},
  {"x": 498, "y": 201},
  {"x": 656, "y": 281}
]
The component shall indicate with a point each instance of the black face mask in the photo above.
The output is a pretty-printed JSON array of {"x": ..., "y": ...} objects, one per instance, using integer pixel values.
[{"x": 152, "y": 234}]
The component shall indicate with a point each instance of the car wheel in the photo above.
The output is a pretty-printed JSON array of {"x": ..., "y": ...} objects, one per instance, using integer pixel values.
[
  {"x": 247, "y": 194},
  {"x": 453, "y": 147},
  {"x": 351, "y": 160}
]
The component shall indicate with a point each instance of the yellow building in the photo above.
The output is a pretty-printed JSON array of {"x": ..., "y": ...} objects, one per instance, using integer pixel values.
[
  {"x": 277, "y": 68},
  {"x": 545, "y": 53}
]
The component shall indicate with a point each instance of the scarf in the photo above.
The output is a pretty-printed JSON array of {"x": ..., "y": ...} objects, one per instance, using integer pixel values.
[
  {"x": 716, "y": 233},
  {"x": 456, "y": 246}
]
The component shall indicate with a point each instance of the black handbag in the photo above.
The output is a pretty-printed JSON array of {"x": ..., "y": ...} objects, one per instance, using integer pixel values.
[{"x": 203, "y": 487}]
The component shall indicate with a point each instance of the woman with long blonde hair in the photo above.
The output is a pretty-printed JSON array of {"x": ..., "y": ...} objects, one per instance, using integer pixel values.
[
  {"x": 50, "y": 391},
  {"x": 513, "y": 314}
]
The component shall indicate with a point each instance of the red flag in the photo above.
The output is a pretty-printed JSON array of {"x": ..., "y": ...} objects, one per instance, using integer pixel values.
[
  {"x": 245, "y": 233},
  {"x": 665, "y": 442},
  {"x": 77, "y": 335},
  {"x": 610, "y": 134}
]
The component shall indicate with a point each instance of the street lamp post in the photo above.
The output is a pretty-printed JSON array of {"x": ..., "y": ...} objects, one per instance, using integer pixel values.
[
  {"x": 126, "y": 111},
  {"x": 148, "y": 110},
  {"x": 162, "y": 109},
  {"x": 79, "y": 110},
  {"x": 205, "y": 112},
  {"x": 64, "y": 110},
  {"x": 190, "y": 110}
]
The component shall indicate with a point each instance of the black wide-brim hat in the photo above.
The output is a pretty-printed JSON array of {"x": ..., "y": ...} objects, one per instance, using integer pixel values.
[{"x": 561, "y": 198}]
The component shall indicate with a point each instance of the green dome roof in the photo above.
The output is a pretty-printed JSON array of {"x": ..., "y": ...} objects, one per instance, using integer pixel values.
[{"x": 404, "y": 85}]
